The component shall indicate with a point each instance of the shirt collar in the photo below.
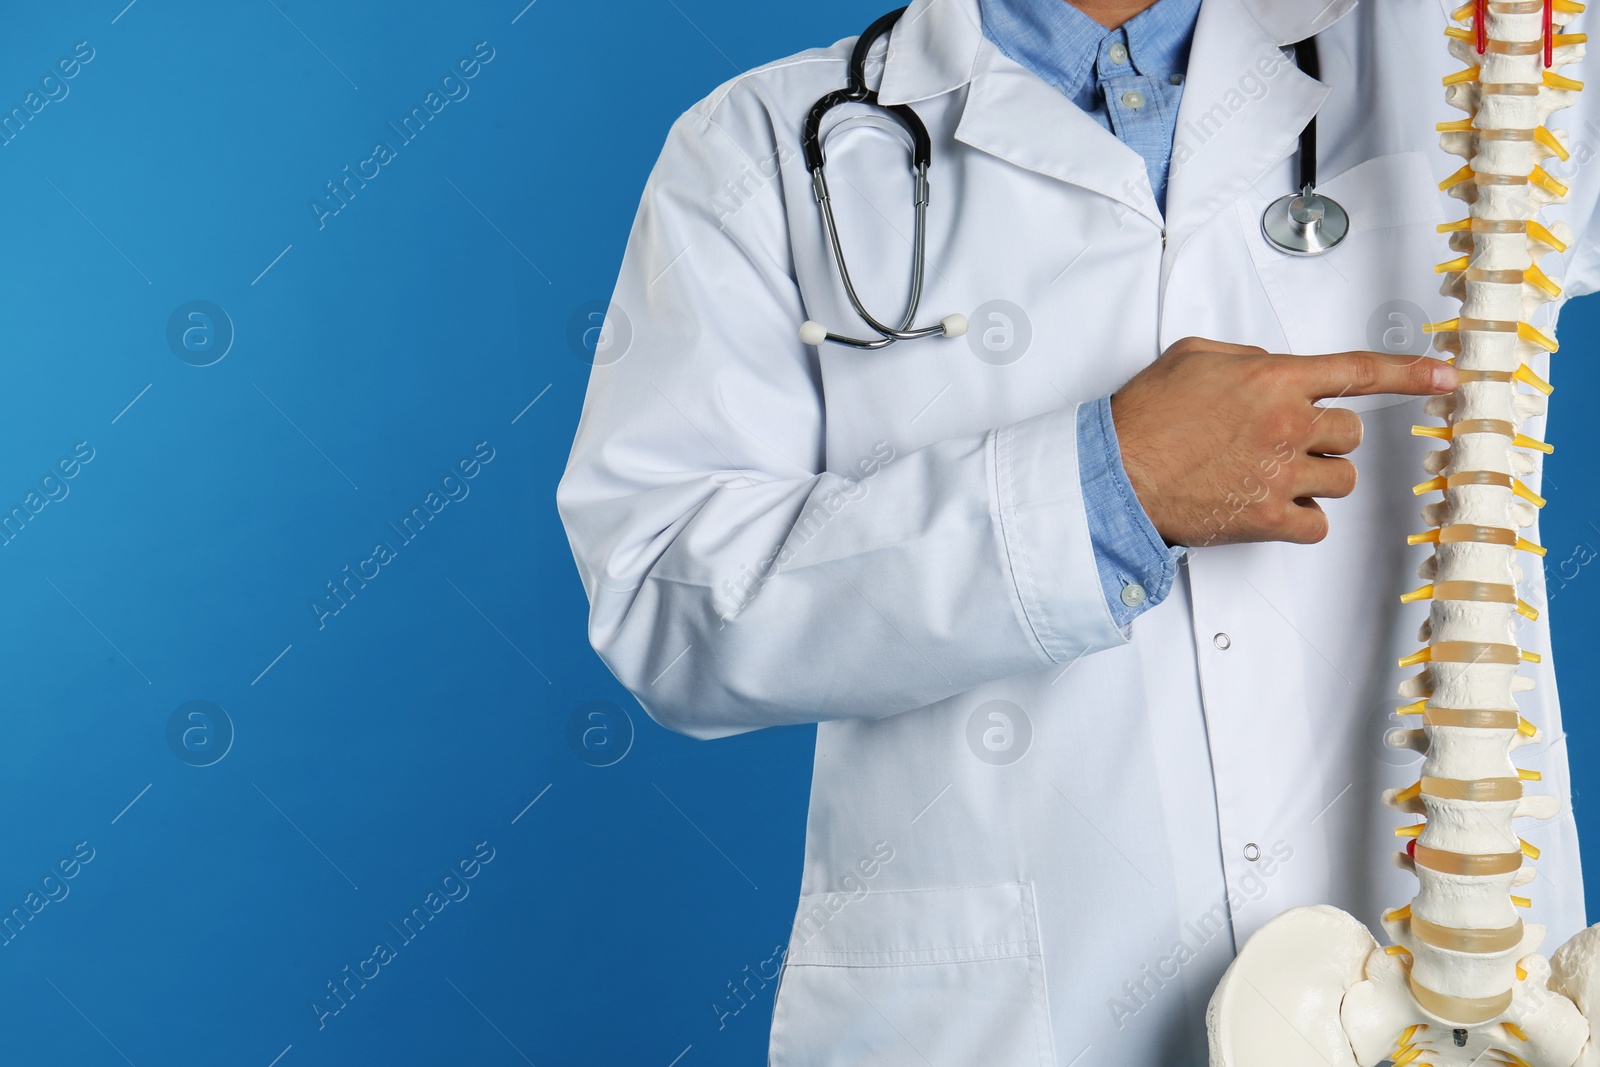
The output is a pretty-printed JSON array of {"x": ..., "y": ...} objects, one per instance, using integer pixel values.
[
  {"x": 1061, "y": 44},
  {"x": 1159, "y": 37}
]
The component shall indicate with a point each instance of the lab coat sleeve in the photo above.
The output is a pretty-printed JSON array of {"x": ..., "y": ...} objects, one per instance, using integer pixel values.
[
  {"x": 1583, "y": 272},
  {"x": 1581, "y": 275},
  {"x": 735, "y": 583}
]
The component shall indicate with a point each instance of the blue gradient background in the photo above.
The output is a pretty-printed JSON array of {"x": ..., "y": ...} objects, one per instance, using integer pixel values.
[{"x": 435, "y": 710}]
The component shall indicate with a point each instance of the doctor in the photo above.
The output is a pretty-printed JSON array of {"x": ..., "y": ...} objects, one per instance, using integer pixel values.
[{"x": 1098, "y": 628}]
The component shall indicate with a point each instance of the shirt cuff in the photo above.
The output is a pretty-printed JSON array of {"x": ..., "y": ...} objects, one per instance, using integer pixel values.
[{"x": 1137, "y": 567}]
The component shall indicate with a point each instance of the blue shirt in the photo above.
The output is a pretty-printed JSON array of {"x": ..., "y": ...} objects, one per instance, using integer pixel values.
[
  {"x": 1130, "y": 80},
  {"x": 1135, "y": 564}
]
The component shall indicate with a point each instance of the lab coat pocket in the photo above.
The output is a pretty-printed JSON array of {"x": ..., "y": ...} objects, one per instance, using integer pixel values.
[
  {"x": 913, "y": 978},
  {"x": 1377, "y": 288}
]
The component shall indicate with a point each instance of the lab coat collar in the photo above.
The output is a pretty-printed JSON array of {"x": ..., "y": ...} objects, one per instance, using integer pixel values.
[
  {"x": 1288, "y": 21},
  {"x": 935, "y": 45},
  {"x": 931, "y": 51},
  {"x": 1245, "y": 103},
  {"x": 938, "y": 47},
  {"x": 1013, "y": 114}
]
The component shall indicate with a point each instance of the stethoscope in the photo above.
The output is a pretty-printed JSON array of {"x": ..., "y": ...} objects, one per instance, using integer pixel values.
[
  {"x": 1306, "y": 223},
  {"x": 1300, "y": 224}
]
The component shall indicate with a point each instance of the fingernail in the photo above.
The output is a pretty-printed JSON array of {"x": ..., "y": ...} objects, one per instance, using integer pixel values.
[{"x": 1444, "y": 377}]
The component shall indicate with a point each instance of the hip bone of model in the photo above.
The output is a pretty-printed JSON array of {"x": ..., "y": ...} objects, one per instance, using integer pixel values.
[{"x": 1462, "y": 980}]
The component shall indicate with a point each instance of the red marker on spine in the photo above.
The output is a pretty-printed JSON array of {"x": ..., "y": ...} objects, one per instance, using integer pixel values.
[{"x": 1549, "y": 32}]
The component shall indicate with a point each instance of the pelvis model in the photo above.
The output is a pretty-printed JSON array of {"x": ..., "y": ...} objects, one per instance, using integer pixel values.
[{"x": 1462, "y": 981}]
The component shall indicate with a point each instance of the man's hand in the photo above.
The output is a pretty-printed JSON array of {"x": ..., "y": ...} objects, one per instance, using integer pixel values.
[{"x": 1224, "y": 443}]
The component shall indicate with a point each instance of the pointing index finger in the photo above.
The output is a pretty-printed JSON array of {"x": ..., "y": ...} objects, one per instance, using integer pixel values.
[{"x": 1370, "y": 373}]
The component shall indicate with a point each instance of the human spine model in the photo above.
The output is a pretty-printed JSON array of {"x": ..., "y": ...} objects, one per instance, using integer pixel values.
[{"x": 1461, "y": 981}]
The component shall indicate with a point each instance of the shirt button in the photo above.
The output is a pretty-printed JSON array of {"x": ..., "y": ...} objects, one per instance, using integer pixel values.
[
  {"x": 1175, "y": 79},
  {"x": 1119, "y": 53},
  {"x": 1133, "y": 594},
  {"x": 1222, "y": 641},
  {"x": 1133, "y": 99},
  {"x": 1252, "y": 852}
]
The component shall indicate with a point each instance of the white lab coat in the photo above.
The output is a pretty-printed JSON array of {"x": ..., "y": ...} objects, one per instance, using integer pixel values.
[{"x": 888, "y": 542}]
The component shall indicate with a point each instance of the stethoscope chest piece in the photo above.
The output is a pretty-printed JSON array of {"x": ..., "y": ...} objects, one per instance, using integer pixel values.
[{"x": 1304, "y": 223}]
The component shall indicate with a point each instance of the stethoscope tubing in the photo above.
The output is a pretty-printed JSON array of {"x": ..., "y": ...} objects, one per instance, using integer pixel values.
[
  {"x": 889, "y": 335},
  {"x": 1303, "y": 224}
]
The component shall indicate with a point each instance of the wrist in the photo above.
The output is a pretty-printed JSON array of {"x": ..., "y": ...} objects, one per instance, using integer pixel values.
[{"x": 1124, "y": 437}]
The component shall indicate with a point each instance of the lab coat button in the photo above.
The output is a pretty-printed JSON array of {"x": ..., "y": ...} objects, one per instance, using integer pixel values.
[
  {"x": 1133, "y": 594},
  {"x": 1133, "y": 99},
  {"x": 1252, "y": 852},
  {"x": 1119, "y": 53},
  {"x": 1222, "y": 641}
]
